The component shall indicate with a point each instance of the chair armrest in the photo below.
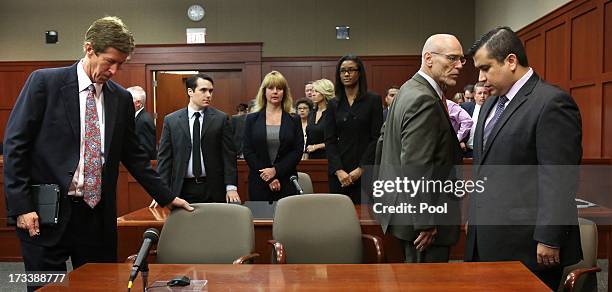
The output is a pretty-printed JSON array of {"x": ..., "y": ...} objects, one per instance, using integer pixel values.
[
  {"x": 278, "y": 252},
  {"x": 378, "y": 246},
  {"x": 574, "y": 275},
  {"x": 244, "y": 259},
  {"x": 132, "y": 258}
]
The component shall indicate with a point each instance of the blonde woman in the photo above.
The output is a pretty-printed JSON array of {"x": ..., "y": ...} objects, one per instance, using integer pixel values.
[
  {"x": 273, "y": 141},
  {"x": 323, "y": 91}
]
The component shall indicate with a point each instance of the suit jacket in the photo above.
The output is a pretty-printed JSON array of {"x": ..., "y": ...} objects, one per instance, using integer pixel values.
[
  {"x": 469, "y": 107},
  {"x": 351, "y": 132},
  {"x": 531, "y": 183},
  {"x": 145, "y": 130},
  {"x": 41, "y": 145},
  {"x": 238, "y": 132},
  {"x": 418, "y": 140},
  {"x": 218, "y": 152},
  {"x": 255, "y": 149}
]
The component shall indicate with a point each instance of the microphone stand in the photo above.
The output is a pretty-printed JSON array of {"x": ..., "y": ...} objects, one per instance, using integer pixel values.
[{"x": 144, "y": 272}]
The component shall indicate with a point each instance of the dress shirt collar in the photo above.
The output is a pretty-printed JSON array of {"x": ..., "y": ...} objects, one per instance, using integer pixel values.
[
  {"x": 433, "y": 83},
  {"x": 191, "y": 111},
  {"x": 518, "y": 84},
  {"x": 84, "y": 80},
  {"x": 138, "y": 111}
]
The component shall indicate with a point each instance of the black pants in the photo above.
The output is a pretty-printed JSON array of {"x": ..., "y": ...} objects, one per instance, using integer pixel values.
[
  {"x": 82, "y": 242},
  {"x": 353, "y": 191},
  {"x": 195, "y": 191}
]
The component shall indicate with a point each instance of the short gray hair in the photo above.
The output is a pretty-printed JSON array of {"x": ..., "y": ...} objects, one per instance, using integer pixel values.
[{"x": 138, "y": 94}]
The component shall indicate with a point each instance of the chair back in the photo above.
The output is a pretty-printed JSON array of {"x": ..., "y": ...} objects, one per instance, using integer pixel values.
[
  {"x": 588, "y": 240},
  {"x": 305, "y": 182},
  {"x": 318, "y": 228},
  {"x": 212, "y": 233}
]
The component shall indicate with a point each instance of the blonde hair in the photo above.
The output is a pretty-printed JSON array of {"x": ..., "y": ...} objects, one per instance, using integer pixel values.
[
  {"x": 325, "y": 88},
  {"x": 274, "y": 79}
]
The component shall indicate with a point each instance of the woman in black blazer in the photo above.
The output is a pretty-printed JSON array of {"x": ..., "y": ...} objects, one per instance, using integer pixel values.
[
  {"x": 323, "y": 91},
  {"x": 355, "y": 119},
  {"x": 273, "y": 141}
]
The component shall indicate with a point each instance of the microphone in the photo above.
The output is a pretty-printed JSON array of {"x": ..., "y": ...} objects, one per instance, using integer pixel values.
[
  {"x": 151, "y": 236},
  {"x": 297, "y": 186}
]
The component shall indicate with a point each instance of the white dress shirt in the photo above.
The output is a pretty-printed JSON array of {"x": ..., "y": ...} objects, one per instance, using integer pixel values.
[{"x": 76, "y": 186}]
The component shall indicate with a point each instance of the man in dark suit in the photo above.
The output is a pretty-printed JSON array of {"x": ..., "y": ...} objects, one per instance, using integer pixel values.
[
  {"x": 527, "y": 138},
  {"x": 196, "y": 152},
  {"x": 72, "y": 127},
  {"x": 145, "y": 128},
  {"x": 418, "y": 140}
]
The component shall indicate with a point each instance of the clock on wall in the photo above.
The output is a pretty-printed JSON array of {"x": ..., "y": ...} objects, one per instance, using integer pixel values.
[{"x": 195, "y": 12}]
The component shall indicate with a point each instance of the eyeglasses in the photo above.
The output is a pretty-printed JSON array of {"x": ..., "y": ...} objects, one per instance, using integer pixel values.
[
  {"x": 303, "y": 108},
  {"x": 348, "y": 70},
  {"x": 453, "y": 58}
]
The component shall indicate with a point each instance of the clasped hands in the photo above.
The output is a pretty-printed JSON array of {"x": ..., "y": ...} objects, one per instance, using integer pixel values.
[
  {"x": 268, "y": 175},
  {"x": 347, "y": 179}
]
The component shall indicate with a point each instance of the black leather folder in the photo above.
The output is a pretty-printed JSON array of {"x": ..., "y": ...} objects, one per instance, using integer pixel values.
[{"x": 46, "y": 198}]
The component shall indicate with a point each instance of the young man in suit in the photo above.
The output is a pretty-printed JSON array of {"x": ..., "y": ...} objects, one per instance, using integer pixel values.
[
  {"x": 527, "y": 138},
  {"x": 145, "y": 127},
  {"x": 416, "y": 141},
  {"x": 196, "y": 151},
  {"x": 72, "y": 127}
]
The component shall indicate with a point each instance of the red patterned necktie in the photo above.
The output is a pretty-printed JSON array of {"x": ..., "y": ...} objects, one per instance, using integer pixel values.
[{"x": 92, "y": 167}]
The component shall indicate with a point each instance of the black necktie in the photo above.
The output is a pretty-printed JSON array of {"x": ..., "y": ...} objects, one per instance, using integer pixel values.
[{"x": 197, "y": 160}]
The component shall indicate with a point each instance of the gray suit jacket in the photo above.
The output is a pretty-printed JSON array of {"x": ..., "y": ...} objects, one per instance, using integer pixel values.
[
  {"x": 418, "y": 140},
  {"x": 217, "y": 151}
]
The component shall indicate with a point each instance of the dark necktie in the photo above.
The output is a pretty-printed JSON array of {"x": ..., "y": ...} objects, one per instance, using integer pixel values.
[
  {"x": 501, "y": 104},
  {"x": 197, "y": 160},
  {"x": 92, "y": 164}
]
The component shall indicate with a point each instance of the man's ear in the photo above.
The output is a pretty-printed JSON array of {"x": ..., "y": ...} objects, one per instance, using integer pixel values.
[
  {"x": 428, "y": 59},
  {"x": 512, "y": 62}
]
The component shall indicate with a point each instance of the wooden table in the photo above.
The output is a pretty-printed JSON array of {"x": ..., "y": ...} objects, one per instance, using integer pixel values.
[{"x": 501, "y": 276}]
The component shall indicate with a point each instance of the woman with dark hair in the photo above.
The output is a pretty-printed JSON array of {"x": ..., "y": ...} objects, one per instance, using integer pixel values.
[
  {"x": 355, "y": 119},
  {"x": 273, "y": 141},
  {"x": 303, "y": 107}
]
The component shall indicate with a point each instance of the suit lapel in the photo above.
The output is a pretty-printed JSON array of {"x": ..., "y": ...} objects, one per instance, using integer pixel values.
[
  {"x": 70, "y": 97},
  {"x": 517, "y": 101},
  {"x": 183, "y": 121},
  {"x": 110, "y": 115},
  {"x": 260, "y": 126},
  {"x": 482, "y": 117},
  {"x": 208, "y": 117},
  {"x": 420, "y": 79}
]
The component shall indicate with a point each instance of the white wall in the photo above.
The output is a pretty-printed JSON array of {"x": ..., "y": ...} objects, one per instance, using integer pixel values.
[{"x": 513, "y": 13}]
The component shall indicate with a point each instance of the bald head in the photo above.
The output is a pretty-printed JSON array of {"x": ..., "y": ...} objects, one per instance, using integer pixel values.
[{"x": 442, "y": 59}]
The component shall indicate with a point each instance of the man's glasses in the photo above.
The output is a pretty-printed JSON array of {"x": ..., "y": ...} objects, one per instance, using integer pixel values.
[
  {"x": 453, "y": 58},
  {"x": 348, "y": 70}
]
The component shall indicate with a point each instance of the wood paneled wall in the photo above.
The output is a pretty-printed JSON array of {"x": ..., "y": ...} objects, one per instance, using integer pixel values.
[
  {"x": 381, "y": 71},
  {"x": 572, "y": 48}
]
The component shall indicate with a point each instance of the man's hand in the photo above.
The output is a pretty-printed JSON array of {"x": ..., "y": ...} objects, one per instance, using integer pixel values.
[
  {"x": 153, "y": 204},
  {"x": 356, "y": 174},
  {"x": 275, "y": 185},
  {"x": 548, "y": 256},
  {"x": 179, "y": 203},
  {"x": 344, "y": 178},
  {"x": 29, "y": 222},
  {"x": 463, "y": 146},
  {"x": 425, "y": 239},
  {"x": 232, "y": 197},
  {"x": 267, "y": 173}
]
